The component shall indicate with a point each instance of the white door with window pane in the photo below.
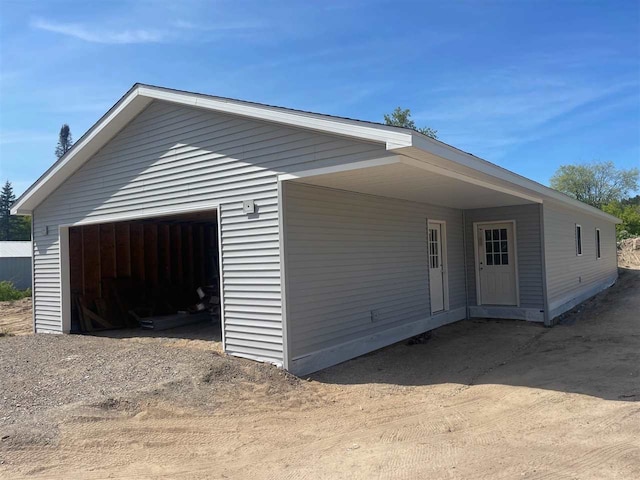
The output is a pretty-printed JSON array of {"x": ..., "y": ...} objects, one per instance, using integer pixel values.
[
  {"x": 496, "y": 264},
  {"x": 436, "y": 268}
]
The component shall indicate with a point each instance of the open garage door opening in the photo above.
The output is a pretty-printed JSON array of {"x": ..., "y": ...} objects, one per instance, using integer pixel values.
[{"x": 156, "y": 273}]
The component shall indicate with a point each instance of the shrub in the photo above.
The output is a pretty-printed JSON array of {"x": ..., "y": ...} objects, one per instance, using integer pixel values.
[{"x": 9, "y": 292}]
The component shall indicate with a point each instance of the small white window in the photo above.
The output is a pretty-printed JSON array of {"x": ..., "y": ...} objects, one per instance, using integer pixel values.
[
  {"x": 578, "y": 239},
  {"x": 597, "y": 243}
]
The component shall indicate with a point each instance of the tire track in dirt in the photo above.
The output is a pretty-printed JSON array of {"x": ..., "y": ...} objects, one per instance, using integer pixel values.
[
  {"x": 411, "y": 455},
  {"x": 406, "y": 430},
  {"x": 587, "y": 462},
  {"x": 567, "y": 422}
]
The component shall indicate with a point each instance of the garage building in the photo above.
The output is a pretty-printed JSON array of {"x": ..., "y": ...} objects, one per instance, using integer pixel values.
[{"x": 324, "y": 238}]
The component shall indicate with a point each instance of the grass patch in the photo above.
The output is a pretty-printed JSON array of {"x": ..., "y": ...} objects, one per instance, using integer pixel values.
[{"x": 9, "y": 292}]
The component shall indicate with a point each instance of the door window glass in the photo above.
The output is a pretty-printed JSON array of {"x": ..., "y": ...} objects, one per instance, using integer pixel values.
[
  {"x": 434, "y": 254},
  {"x": 496, "y": 246},
  {"x": 578, "y": 239}
]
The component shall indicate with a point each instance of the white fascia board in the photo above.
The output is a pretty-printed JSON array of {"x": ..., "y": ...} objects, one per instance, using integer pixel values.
[
  {"x": 469, "y": 179},
  {"x": 435, "y": 147},
  {"x": 568, "y": 206},
  {"x": 390, "y": 136},
  {"x": 92, "y": 141},
  {"x": 402, "y": 141},
  {"x": 134, "y": 101}
]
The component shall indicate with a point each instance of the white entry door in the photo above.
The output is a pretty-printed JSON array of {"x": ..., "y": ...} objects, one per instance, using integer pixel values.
[
  {"x": 436, "y": 267},
  {"x": 496, "y": 264}
]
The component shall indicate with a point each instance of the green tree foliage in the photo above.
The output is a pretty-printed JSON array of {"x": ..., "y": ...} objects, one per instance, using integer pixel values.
[
  {"x": 21, "y": 228},
  {"x": 6, "y": 200},
  {"x": 12, "y": 227},
  {"x": 597, "y": 184},
  {"x": 632, "y": 201},
  {"x": 65, "y": 141},
  {"x": 627, "y": 210},
  {"x": 402, "y": 118},
  {"x": 9, "y": 292}
]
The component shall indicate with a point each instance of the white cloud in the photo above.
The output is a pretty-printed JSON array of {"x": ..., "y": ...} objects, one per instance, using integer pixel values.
[
  {"x": 224, "y": 27},
  {"x": 97, "y": 35}
]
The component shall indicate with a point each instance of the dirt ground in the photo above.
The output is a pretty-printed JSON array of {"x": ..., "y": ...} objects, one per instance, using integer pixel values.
[
  {"x": 478, "y": 399},
  {"x": 15, "y": 317},
  {"x": 629, "y": 253}
]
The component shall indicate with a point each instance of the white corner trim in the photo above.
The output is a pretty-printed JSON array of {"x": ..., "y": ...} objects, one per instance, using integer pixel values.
[
  {"x": 223, "y": 336},
  {"x": 65, "y": 279},
  {"x": 33, "y": 275},
  {"x": 282, "y": 250}
]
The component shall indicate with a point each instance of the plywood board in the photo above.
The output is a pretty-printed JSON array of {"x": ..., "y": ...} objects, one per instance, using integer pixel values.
[
  {"x": 136, "y": 233},
  {"x": 91, "y": 261},
  {"x": 107, "y": 251},
  {"x": 75, "y": 260},
  {"x": 123, "y": 250},
  {"x": 176, "y": 254},
  {"x": 151, "y": 253},
  {"x": 164, "y": 253}
]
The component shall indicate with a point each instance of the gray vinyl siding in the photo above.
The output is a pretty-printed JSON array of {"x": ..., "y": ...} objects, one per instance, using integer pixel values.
[
  {"x": 16, "y": 270},
  {"x": 46, "y": 279},
  {"x": 171, "y": 158},
  {"x": 528, "y": 237},
  {"x": 568, "y": 275},
  {"x": 348, "y": 254}
]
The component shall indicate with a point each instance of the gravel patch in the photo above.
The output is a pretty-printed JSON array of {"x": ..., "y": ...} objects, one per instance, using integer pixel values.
[{"x": 48, "y": 379}]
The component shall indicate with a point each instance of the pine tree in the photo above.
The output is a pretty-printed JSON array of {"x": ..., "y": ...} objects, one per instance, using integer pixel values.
[
  {"x": 65, "y": 141},
  {"x": 6, "y": 200},
  {"x": 12, "y": 228}
]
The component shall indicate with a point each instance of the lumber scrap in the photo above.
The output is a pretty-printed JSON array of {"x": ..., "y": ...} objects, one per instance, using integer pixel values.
[
  {"x": 88, "y": 317},
  {"x": 166, "y": 322}
]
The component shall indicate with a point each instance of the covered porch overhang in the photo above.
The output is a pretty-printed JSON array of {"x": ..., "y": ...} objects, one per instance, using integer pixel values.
[{"x": 417, "y": 178}]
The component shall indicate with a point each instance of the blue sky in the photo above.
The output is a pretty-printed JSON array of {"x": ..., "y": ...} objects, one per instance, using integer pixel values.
[{"x": 528, "y": 85}]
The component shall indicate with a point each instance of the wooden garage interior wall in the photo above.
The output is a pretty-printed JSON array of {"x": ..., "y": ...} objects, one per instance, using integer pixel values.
[{"x": 156, "y": 263}]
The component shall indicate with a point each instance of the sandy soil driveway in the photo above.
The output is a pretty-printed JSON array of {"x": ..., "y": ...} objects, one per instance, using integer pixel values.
[{"x": 479, "y": 399}]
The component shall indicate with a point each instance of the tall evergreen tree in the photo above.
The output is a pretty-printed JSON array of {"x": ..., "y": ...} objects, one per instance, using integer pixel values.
[
  {"x": 21, "y": 228},
  {"x": 12, "y": 228},
  {"x": 65, "y": 141},
  {"x": 6, "y": 222}
]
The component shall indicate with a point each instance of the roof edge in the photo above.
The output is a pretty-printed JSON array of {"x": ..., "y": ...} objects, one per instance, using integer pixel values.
[
  {"x": 22, "y": 204},
  {"x": 449, "y": 152},
  {"x": 100, "y": 133},
  {"x": 394, "y": 138}
]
